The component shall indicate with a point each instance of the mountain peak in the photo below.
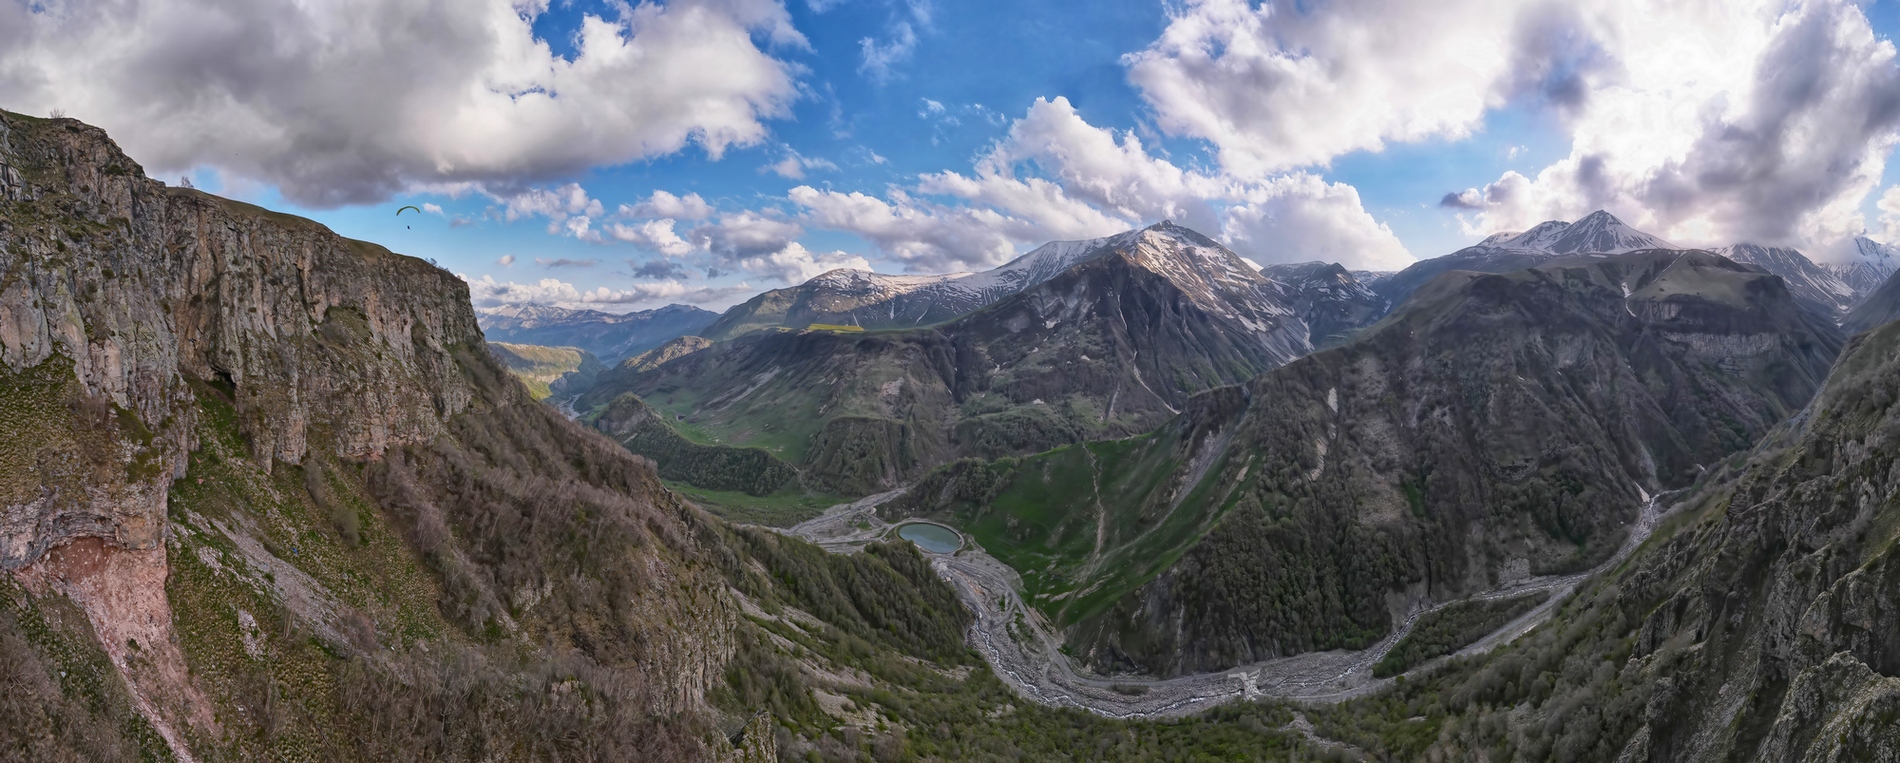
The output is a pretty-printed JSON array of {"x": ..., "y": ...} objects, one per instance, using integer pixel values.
[
  {"x": 1601, "y": 233},
  {"x": 1597, "y": 233}
]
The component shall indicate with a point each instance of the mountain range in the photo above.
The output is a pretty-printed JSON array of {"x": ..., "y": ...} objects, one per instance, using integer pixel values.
[
  {"x": 1494, "y": 427},
  {"x": 1110, "y": 346},
  {"x": 607, "y": 336}
]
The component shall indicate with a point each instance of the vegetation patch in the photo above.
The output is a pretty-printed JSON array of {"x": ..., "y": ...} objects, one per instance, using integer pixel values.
[
  {"x": 719, "y": 468},
  {"x": 1456, "y": 626},
  {"x": 786, "y": 507}
]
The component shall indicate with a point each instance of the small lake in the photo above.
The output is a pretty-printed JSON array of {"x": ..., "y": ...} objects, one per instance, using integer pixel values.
[{"x": 936, "y": 539}]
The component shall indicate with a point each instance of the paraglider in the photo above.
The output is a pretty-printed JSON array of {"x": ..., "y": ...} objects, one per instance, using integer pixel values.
[{"x": 407, "y": 208}]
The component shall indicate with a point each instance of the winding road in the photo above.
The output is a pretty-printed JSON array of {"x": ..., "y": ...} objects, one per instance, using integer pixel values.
[{"x": 1024, "y": 651}]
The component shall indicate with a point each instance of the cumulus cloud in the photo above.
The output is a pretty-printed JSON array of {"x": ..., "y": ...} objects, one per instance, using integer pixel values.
[
  {"x": 665, "y": 205},
  {"x": 1054, "y": 176},
  {"x": 1301, "y": 217},
  {"x": 506, "y": 261},
  {"x": 556, "y": 204},
  {"x": 351, "y": 101},
  {"x": 1889, "y": 206},
  {"x": 488, "y": 292},
  {"x": 1278, "y": 86},
  {"x": 1773, "y": 127},
  {"x": 796, "y": 264},
  {"x": 652, "y": 235},
  {"x": 924, "y": 236},
  {"x": 745, "y": 234}
]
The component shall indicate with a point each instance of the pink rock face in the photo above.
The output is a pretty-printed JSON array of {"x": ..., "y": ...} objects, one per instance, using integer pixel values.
[{"x": 122, "y": 592}]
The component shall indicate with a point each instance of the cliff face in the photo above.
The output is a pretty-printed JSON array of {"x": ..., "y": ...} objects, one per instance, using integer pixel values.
[
  {"x": 138, "y": 286},
  {"x": 303, "y": 439}
]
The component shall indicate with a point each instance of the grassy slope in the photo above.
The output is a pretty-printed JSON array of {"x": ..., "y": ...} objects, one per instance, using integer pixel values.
[
  {"x": 539, "y": 366},
  {"x": 1046, "y": 515}
]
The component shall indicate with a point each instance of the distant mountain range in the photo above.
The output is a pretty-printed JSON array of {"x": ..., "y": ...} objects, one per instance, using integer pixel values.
[
  {"x": 1829, "y": 289},
  {"x": 1072, "y": 341},
  {"x": 878, "y": 301},
  {"x": 1109, "y": 346},
  {"x": 607, "y": 336}
]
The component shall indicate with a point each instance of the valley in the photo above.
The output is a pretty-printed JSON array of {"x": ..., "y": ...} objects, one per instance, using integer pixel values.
[
  {"x": 267, "y": 492},
  {"x": 1018, "y": 644}
]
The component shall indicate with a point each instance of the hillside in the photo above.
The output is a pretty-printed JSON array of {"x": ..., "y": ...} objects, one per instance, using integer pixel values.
[
  {"x": 1495, "y": 427},
  {"x": 1758, "y": 625},
  {"x": 547, "y": 370},
  {"x": 266, "y": 490},
  {"x": 1110, "y": 347},
  {"x": 608, "y": 336}
]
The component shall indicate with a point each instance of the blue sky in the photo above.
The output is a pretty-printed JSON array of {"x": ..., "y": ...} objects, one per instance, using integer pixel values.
[{"x": 1288, "y": 137}]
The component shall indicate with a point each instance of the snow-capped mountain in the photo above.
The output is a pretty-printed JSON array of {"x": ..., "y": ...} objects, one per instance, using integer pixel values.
[
  {"x": 1597, "y": 233},
  {"x": 1871, "y": 265},
  {"x": 1819, "y": 288},
  {"x": 881, "y": 301},
  {"x": 1601, "y": 233}
]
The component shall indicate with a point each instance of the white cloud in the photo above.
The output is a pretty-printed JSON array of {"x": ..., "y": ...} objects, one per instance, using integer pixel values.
[
  {"x": 1889, "y": 206},
  {"x": 796, "y": 264},
  {"x": 745, "y": 234},
  {"x": 663, "y": 204},
  {"x": 351, "y": 101},
  {"x": 1279, "y": 87},
  {"x": 506, "y": 261},
  {"x": 1095, "y": 183},
  {"x": 1771, "y": 126},
  {"x": 879, "y": 58},
  {"x": 794, "y": 165},
  {"x": 924, "y": 236},
  {"x": 556, "y": 204},
  {"x": 1302, "y": 217},
  {"x": 1702, "y": 120},
  {"x": 652, "y": 235},
  {"x": 488, "y": 292}
]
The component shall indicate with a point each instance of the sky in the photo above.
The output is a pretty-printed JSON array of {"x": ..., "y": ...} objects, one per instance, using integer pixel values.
[{"x": 622, "y": 156}]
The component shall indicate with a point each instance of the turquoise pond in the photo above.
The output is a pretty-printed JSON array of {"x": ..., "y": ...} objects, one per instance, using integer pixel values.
[{"x": 936, "y": 539}]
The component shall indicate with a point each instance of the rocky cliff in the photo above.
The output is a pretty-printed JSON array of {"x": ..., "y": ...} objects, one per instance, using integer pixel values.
[
  {"x": 285, "y": 483},
  {"x": 1758, "y": 624}
]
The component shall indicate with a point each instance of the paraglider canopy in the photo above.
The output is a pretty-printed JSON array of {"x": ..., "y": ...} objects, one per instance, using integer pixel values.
[{"x": 408, "y": 207}]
